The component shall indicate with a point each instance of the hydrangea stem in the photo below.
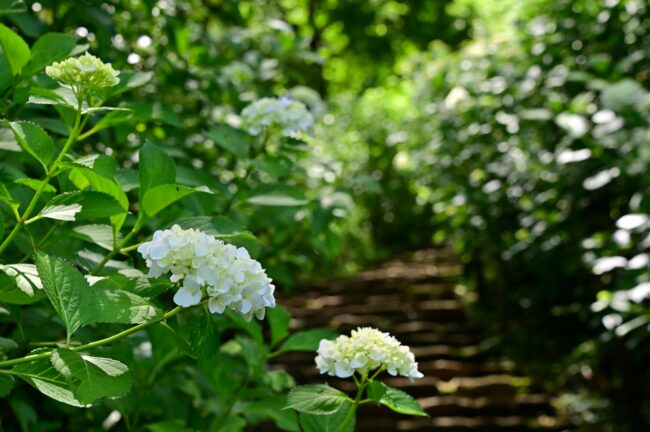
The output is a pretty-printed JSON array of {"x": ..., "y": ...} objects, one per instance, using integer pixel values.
[{"x": 97, "y": 343}]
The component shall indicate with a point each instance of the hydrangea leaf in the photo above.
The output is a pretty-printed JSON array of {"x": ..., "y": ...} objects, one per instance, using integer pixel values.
[
  {"x": 24, "y": 276},
  {"x": 92, "y": 378},
  {"x": 66, "y": 289},
  {"x": 78, "y": 206},
  {"x": 155, "y": 168},
  {"x": 35, "y": 141},
  {"x": 395, "y": 399},
  {"x": 278, "y": 319},
  {"x": 329, "y": 423},
  {"x": 162, "y": 196},
  {"x": 47, "y": 49},
  {"x": 307, "y": 340},
  {"x": 278, "y": 195},
  {"x": 15, "y": 49},
  {"x": 48, "y": 381},
  {"x": 233, "y": 140},
  {"x": 112, "y": 305},
  {"x": 319, "y": 399}
]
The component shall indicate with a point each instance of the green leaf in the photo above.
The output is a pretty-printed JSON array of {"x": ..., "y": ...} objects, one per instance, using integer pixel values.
[
  {"x": 14, "y": 48},
  {"x": 307, "y": 340},
  {"x": 113, "y": 305},
  {"x": 47, "y": 49},
  {"x": 395, "y": 399},
  {"x": 317, "y": 399},
  {"x": 128, "y": 80},
  {"x": 80, "y": 206},
  {"x": 84, "y": 176},
  {"x": 101, "y": 235},
  {"x": 5, "y": 196},
  {"x": 24, "y": 276},
  {"x": 233, "y": 140},
  {"x": 155, "y": 168},
  {"x": 8, "y": 7},
  {"x": 162, "y": 196},
  {"x": 329, "y": 423},
  {"x": 35, "y": 141},
  {"x": 271, "y": 407},
  {"x": 66, "y": 289},
  {"x": 35, "y": 184},
  {"x": 279, "y": 319},
  {"x": 47, "y": 380},
  {"x": 139, "y": 112},
  {"x": 278, "y": 195},
  {"x": 219, "y": 226},
  {"x": 95, "y": 377},
  {"x": 100, "y": 164},
  {"x": 6, "y": 384},
  {"x": 7, "y": 345},
  {"x": 204, "y": 338}
]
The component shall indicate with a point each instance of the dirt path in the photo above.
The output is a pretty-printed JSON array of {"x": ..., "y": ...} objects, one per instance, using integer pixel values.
[{"x": 467, "y": 386}]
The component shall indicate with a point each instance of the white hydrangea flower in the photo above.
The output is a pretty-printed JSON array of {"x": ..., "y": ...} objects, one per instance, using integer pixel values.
[
  {"x": 227, "y": 274},
  {"x": 365, "y": 350},
  {"x": 83, "y": 73},
  {"x": 284, "y": 115}
]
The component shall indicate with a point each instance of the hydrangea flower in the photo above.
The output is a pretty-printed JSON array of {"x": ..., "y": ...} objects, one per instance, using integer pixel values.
[
  {"x": 367, "y": 349},
  {"x": 202, "y": 263},
  {"x": 285, "y": 115},
  {"x": 83, "y": 73}
]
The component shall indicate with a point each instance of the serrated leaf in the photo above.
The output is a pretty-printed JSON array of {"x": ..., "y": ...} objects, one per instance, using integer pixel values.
[
  {"x": 66, "y": 289},
  {"x": 128, "y": 80},
  {"x": 49, "y": 48},
  {"x": 34, "y": 141},
  {"x": 395, "y": 399},
  {"x": 6, "y": 197},
  {"x": 307, "y": 340},
  {"x": 233, "y": 140},
  {"x": 328, "y": 423},
  {"x": 15, "y": 49},
  {"x": 80, "y": 206},
  {"x": 24, "y": 276},
  {"x": 113, "y": 305},
  {"x": 319, "y": 399},
  {"x": 278, "y": 319},
  {"x": 48, "y": 381},
  {"x": 140, "y": 112},
  {"x": 94, "y": 377}
]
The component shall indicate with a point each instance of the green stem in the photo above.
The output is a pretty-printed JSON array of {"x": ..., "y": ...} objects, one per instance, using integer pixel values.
[
  {"x": 357, "y": 401},
  {"x": 97, "y": 343}
]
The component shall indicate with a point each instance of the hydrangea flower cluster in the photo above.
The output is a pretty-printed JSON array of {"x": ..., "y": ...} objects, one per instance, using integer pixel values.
[
  {"x": 366, "y": 350},
  {"x": 83, "y": 73},
  {"x": 285, "y": 115},
  {"x": 227, "y": 274}
]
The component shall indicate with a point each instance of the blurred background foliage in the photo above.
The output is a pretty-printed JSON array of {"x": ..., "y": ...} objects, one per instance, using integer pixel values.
[{"x": 515, "y": 132}]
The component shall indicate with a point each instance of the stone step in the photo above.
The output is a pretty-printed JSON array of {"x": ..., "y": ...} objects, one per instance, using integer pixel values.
[{"x": 452, "y": 405}]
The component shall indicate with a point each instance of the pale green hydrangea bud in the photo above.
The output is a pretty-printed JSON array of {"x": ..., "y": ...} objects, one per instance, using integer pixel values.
[
  {"x": 227, "y": 274},
  {"x": 366, "y": 350},
  {"x": 85, "y": 73},
  {"x": 284, "y": 116}
]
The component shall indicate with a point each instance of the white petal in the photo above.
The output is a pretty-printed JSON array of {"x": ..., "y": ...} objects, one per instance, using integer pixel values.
[{"x": 184, "y": 297}]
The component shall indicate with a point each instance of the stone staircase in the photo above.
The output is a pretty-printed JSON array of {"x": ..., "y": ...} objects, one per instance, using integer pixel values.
[{"x": 467, "y": 386}]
